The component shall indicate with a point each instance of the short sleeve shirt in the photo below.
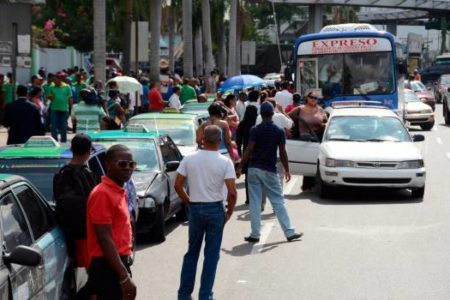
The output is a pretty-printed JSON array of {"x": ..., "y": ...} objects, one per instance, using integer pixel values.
[
  {"x": 61, "y": 96},
  {"x": 267, "y": 137},
  {"x": 187, "y": 93},
  {"x": 206, "y": 172},
  {"x": 88, "y": 117},
  {"x": 107, "y": 205}
]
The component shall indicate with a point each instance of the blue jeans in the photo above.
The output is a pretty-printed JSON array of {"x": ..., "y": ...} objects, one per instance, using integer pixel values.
[
  {"x": 259, "y": 181},
  {"x": 59, "y": 124},
  {"x": 206, "y": 220}
]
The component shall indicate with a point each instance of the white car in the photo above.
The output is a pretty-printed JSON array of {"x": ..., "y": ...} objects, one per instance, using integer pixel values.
[
  {"x": 361, "y": 147},
  {"x": 417, "y": 112}
]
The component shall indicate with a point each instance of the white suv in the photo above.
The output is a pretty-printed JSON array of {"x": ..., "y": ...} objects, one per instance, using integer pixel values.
[{"x": 361, "y": 147}]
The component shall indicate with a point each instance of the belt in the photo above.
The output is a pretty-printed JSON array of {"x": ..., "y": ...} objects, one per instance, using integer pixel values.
[{"x": 202, "y": 203}]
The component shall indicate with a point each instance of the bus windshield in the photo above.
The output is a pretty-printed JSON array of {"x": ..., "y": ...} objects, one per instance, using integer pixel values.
[{"x": 347, "y": 74}]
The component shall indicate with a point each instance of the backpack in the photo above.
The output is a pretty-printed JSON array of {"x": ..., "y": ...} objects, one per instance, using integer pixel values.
[{"x": 71, "y": 188}]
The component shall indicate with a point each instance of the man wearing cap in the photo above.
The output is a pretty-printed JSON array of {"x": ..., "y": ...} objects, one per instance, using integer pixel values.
[
  {"x": 87, "y": 115},
  {"x": 60, "y": 96},
  {"x": 261, "y": 155}
]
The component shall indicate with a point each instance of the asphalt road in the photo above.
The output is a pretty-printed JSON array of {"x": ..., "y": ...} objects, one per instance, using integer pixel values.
[{"x": 376, "y": 244}]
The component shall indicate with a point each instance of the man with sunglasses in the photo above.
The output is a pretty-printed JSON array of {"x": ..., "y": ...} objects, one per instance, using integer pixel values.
[
  {"x": 206, "y": 171},
  {"x": 109, "y": 230}
]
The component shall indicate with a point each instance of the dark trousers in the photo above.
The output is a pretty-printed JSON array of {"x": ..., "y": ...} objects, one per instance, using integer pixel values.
[
  {"x": 103, "y": 281},
  {"x": 206, "y": 221},
  {"x": 59, "y": 124}
]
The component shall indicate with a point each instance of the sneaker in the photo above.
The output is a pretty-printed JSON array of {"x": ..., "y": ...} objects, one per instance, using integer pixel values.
[
  {"x": 295, "y": 236},
  {"x": 251, "y": 239}
]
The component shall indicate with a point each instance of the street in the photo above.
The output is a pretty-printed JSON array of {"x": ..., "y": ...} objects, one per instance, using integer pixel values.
[{"x": 365, "y": 244}]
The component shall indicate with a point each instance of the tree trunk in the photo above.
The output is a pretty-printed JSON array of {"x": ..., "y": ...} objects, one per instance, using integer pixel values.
[
  {"x": 207, "y": 43},
  {"x": 232, "y": 39},
  {"x": 172, "y": 39},
  {"x": 198, "y": 52},
  {"x": 238, "y": 45},
  {"x": 187, "y": 39},
  {"x": 100, "y": 40},
  {"x": 155, "y": 29},
  {"x": 127, "y": 36},
  {"x": 222, "y": 55}
]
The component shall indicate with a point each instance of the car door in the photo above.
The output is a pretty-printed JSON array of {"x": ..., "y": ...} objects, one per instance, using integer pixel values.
[
  {"x": 170, "y": 152},
  {"x": 302, "y": 154},
  {"x": 26, "y": 282},
  {"x": 48, "y": 238}
]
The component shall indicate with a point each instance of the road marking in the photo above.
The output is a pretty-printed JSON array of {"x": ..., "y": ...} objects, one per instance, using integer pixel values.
[
  {"x": 290, "y": 186},
  {"x": 439, "y": 140},
  {"x": 265, "y": 232},
  {"x": 242, "y": 281}
]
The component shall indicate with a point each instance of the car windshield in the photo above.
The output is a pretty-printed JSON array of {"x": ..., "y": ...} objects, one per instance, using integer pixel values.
[
  {"x": 410, "y": 96},
  {"x": 39, "y": 171},
  {"x": 445, "y": 80},
  {"x": 347, "y": 74},
  {"x": 443, "y": 61},
  {"x": 143, "y": 150},
  {"x": 181, "y": 131},
  {"x": 366, "y": 129}
]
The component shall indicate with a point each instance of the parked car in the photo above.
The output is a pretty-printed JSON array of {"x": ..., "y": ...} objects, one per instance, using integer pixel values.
[
  {"x": 425, "y": 95},
  {"x": 180, "y": 127},
  {"x": 361, "y": 147},
  {"x": 157, "y": 159},
  {"x": 193, "y": 107},
  {"x": 34, "y": 253},
  {"x": 417, "y": 112},
  {"x": 441, "y": 88}
]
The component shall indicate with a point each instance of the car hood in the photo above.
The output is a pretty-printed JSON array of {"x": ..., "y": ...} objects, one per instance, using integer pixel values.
[
  {"x": 371, "y": 151},
  {"x": 185, "y": 150},
  {"x": 142, "y": 180},
  {"x": 416, "y": 106}
]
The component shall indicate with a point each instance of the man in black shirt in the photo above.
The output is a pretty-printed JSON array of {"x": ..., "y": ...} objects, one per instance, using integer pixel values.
[{"x": 22, "y": 118}]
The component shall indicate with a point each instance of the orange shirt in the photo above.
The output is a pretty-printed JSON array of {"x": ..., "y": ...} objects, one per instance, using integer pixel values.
[{"x": 107, "y": 204}]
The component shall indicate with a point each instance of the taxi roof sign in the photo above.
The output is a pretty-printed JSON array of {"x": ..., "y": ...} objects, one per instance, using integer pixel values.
[
  {"x": 139, "y": 128},
  {"x": 170, "y": 110},
  {"x": 42, "y": 142}
]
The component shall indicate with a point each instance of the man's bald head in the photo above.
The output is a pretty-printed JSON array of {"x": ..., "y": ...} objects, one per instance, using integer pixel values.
[{"x": 212, "y": 135}]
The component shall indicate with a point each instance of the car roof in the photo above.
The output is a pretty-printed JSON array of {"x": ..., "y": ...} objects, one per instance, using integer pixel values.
[
  {"x": 163, "y": 115},
  {"x": 122, "y": 134},
  {"x": 8, "y": 179},
  {"x": 20, "y": 151},
  {"x": 363, "y": 111}
]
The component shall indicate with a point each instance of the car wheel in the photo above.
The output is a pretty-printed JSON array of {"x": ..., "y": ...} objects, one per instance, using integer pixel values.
[
  {"x": 418, "y": 193},
  {"x": 158, "y": 232},
  {"x": 427, "y": 126},
  {"x": 183, "y": 213},
  {"x": 323, "y": 189}
]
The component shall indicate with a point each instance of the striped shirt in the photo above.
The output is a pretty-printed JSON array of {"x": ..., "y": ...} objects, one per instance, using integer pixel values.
[{"x": 88, "y": 117}]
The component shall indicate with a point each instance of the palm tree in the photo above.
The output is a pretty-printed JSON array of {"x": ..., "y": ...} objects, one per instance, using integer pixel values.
[
  {"x": 127, "y": 36},
  {"x": 99, "y": 39},
  {"x": 232, "y": 39},
  {"x": 207, "y": 43},
  {"x": 198, "y": 46},
  {"x": 187, "y": 39},
  {"x": 219, "y": 27},
  {"x": 155, "y": 29}
]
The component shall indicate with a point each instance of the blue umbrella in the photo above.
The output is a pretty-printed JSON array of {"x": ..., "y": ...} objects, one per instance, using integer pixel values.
[{"x": 240, "y": 82}]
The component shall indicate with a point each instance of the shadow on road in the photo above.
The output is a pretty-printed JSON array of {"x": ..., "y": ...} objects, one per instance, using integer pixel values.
[
  {"x": 355, "y": 196},
  {"x": 246, "y": 215},
  {"x": 247, "y": 248}
]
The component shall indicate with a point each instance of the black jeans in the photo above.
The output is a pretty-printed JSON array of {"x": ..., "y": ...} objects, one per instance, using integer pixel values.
[{"x": 103, "y": 280}]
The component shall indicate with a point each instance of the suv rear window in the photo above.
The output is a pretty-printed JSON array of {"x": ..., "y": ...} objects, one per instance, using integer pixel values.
[{"x": 39, "y": 171}]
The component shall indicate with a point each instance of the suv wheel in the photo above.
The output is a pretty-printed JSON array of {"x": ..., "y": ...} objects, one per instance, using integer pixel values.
[
  {"x": 158, "y": 232},
  {"x": 418, "y": 193}
]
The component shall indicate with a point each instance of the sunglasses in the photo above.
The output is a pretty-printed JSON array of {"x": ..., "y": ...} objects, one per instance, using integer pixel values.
[
  {"x": 312, "y": 97},
  {"x": 130, "y": 164}
]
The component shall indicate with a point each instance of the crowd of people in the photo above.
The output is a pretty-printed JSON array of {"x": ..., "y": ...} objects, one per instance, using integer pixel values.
[{"x": 245, "y": 133}]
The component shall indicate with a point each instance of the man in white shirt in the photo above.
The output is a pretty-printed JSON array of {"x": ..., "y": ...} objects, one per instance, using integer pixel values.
[
  {"x": 284, "y": 97},
  {"x": 174, "y": 100},
  {"x": 241, "y": 106},
  {"x": 206, "y": 171}
]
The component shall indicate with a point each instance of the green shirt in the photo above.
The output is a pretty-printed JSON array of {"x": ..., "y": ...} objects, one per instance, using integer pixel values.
[
  {"x": 46, "y": 88},
  {"x": 88, "y": 117},
  {"x": 78, "y": 87},
  {"x": 8, "y": 88},
  {"x": 187, "y": 93},
  {"x": 61, "y": 96}
]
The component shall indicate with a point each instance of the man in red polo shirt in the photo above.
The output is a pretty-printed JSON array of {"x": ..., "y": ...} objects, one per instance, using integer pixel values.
[
  {"x": 109, "y": 230},
  {"x": 155, "y": 100}
]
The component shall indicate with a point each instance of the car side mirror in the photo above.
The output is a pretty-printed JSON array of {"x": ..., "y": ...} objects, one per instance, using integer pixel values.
[
  {"x": 23, "y": 255},
  {"x": 172, "y": 166},
  {"x": 418, "y": 138}
]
